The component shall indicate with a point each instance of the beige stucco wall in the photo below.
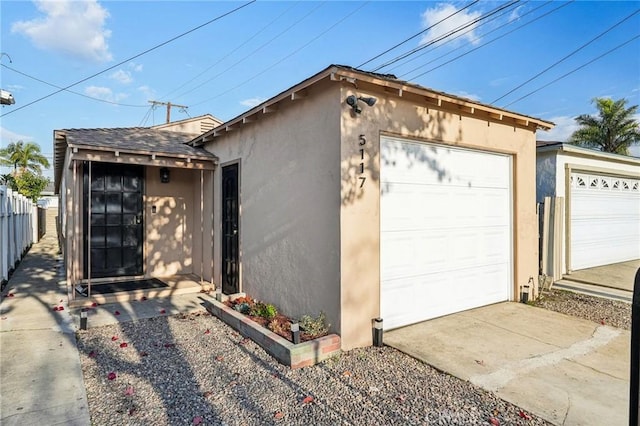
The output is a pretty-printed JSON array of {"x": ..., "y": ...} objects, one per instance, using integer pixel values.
[
  {"x": 169, "y": 231},
  {"x": 289, "y": 204},
  {"x": 360, "y": 208}
]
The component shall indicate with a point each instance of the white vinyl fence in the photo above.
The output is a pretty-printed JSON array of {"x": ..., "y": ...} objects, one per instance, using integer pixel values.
[{"x": 17, "y": 229}]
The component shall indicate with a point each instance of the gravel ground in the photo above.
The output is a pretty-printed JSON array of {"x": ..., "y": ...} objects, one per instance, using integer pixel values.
[
  {"x": 604, "y": 311},
  {"x": 194, "y": 369}
]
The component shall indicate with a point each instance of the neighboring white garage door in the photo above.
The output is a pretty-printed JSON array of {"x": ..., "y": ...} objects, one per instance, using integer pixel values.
[
  {"x": 445, "y": 223},
  {"x": 605, "y": 220}
]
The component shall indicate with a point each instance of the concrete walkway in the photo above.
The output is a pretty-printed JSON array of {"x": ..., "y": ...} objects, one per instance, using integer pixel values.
[
  {"x": 566, "y": 370},
  {"x": 40, "y": 372},
  {"x": 617, "y": 275}
]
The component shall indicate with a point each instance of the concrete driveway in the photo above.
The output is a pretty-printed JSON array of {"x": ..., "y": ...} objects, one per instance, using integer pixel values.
[
  {"x": 566, "y": 370},
  {"x": 613, "y": 281},
  {"x": 617, "y": 275}
]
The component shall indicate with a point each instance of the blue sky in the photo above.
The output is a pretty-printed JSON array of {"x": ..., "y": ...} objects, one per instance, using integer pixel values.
[{"x": 229, "y": 65}]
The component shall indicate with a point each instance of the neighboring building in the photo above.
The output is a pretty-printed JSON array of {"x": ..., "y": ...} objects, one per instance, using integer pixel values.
[
  {"x": 418, "y": 206},
  {"x": 132, "y": 203},
  {"x": 600, "y": 195}
]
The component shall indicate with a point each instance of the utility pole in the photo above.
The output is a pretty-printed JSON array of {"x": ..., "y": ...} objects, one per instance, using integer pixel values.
[{"x": 168, "y": 105}]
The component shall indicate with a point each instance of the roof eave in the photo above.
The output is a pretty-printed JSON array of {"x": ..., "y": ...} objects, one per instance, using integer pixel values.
[
  {"x": 586, "y": 152},
  {"x": 340, "y": 73}
]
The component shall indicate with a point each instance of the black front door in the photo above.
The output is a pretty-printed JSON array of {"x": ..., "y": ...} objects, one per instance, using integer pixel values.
[
  {"x": 230, "y": 257},
  {"x": 113, "y": 219}
]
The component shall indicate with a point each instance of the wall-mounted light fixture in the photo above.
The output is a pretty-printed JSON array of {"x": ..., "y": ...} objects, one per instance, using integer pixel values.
[
  {"x": 352, "y": 101},
  {"x": 164, "y": 175}
]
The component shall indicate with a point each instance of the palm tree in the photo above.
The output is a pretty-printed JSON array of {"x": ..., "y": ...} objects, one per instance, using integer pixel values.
[
  {"x": 614, "y": 129},
  {"x": 23, "y": 156}
]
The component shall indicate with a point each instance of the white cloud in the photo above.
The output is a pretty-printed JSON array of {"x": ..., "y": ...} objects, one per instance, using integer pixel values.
[
  {"x": 515, "y": 14},
  {"x": 251, "y": 102},
  {"x": 467, "y": 95},
  {"x": 497, "y": 82},
  {"x": 74, "y": 28},
  {"x": 121, "y": 76},
  {"x": 441, "y": 11},
  {"x": 147, "y": 91},
  {"x": 565, "y": 126},
  {"x": 15, "y": 87},
  {"x": 7, "y": 136},
  {"x": 135, "y": 67},
  {"x": 104, "y": 93}
]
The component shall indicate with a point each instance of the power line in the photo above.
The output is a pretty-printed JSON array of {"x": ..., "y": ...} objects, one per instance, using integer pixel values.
[
  {"x": 417, "y": 34},
  {"x": 229, "y": 53},
  {"x": 146, "y": 116},
  {"x": 131, "y": 58},
  {"x": 415, "y": 57},
  {"x": 298, "y": 21},
  {"x": 447, "y": 35},
  {"x": 492, "y": 40},
  {"x": 71, "y": 91},
  {"x": 566, "y": 57},
  {"x": 285, "y": 57},
  {"x": 575, "y": 70},
  {"x": 464, "y": 45}
]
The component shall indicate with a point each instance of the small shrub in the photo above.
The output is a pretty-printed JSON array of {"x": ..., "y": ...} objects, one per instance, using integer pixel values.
[
  {"x": 264, "y": 310},
  {"x": 314, "y": 327},
  {"x": 279, "y": 327},
  {"x": 243, "y": 308}
]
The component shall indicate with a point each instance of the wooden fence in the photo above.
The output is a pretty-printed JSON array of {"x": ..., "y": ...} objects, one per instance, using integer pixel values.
[{"x": 18, "y": 229}]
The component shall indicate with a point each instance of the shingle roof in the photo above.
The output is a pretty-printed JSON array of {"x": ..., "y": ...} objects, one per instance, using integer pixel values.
[
  {"x": 132, "y": 140},
  {"x": 136, "y": 139}
]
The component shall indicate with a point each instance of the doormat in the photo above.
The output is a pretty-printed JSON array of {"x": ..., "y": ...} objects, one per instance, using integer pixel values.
[{"x": 117, "y": 287}]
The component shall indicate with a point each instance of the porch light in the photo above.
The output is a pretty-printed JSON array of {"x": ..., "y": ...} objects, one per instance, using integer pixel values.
[
  {"x": 352, "y": 101},
  {"x": 377, "y": 332},
  {"x": 164, "y": 175},
  {"x": 295, "y": 333}
]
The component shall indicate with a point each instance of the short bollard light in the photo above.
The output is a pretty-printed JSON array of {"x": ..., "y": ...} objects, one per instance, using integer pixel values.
[
  {"x": 83, "y": 319},
  {"x": 524, "y": 297},
  {"x": 295, "y": 333},
  {"x": 377, "y": 332},
  {"x": 219, "y": 294}
]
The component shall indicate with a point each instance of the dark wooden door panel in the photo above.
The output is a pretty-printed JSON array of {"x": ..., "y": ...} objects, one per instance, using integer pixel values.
[{"x": 115, "y": 220}]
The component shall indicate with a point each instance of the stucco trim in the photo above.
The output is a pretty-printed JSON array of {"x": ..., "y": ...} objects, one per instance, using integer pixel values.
[
  {"x": 588, "y": 153},
  {"x": 602, "y": 170}
]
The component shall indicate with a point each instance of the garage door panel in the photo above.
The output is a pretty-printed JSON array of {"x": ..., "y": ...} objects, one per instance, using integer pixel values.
[
  {"x": 428, "y": 291},
  {"x": 405, "y": 256},
  {"x": 445, "y": 230},
  {"x": 605, "y": 220}
]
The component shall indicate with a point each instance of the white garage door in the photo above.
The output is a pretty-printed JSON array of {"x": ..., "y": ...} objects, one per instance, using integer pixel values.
[
  {"x": 605, "y": 220},
  {"x": 445, "y": 223}
]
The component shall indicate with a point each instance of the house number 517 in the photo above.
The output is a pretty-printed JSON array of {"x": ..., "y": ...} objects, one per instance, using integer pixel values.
[{"x": 361, "y": 142}]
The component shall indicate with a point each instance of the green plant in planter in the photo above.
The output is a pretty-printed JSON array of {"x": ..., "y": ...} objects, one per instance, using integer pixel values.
[
  {"x": 264, "y": 310},
  {"x": 243, "y": 308},
  {"x": 314, "y": 327}
]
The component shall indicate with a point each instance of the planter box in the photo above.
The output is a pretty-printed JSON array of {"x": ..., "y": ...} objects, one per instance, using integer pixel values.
[{"x": 294, "y": 356}]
